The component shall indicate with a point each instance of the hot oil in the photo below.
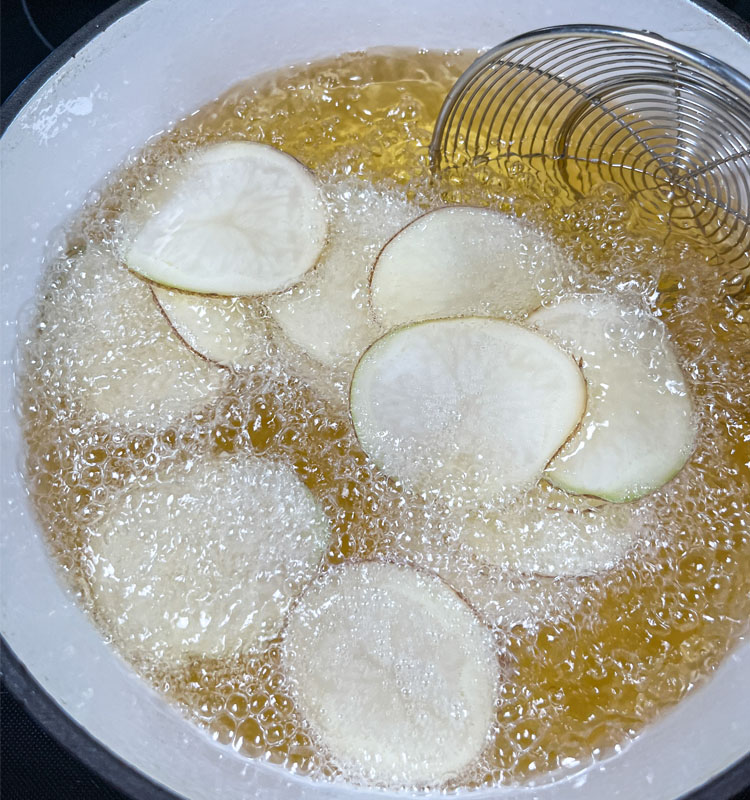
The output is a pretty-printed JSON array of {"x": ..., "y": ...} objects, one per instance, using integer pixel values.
[{"x": 577, "y": 684}]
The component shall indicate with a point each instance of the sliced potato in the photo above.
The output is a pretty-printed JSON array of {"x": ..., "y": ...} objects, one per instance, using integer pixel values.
[
  {"x": 241, "y": 218},
  {"x": 483, "y": 559},
  {"x": 394, "y": 673},
  {"x": 505, "y": 599},
  {"x": 228, "y": 330},
  {"x": 533, "y": 537},
  {"x": 473, "y": 406},
  {"x": 117, "y": 356},
  {"x": 461, "y": 260},
  {"x": 639, "y": 428},
  {"x": 203, "y": 561},
  {"x": 328, "y": 315}
]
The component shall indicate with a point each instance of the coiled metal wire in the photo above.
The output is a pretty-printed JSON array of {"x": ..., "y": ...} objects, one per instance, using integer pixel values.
[{"x": 667, "y": 123}]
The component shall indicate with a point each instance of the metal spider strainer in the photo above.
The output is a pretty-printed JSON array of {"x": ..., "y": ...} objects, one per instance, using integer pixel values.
[{"x": 667, "y": 123}]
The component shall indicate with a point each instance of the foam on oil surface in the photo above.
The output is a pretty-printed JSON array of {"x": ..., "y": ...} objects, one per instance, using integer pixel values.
[{"x": 592, "y": 659}]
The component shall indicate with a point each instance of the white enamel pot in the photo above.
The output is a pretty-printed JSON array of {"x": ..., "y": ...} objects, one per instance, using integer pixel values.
[{"x": 125, "y": 77}]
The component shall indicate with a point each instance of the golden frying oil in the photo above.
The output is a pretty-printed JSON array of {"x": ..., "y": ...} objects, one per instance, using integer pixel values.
[{"x": 648, "y": 630}]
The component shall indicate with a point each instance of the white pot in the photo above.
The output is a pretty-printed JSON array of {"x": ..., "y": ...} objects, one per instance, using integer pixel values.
[{"x": 137, "y": 70}]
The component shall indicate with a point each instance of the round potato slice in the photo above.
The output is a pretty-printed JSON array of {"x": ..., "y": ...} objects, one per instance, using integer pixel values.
[
  {"x": 117, "y": 355},
  {"x": 503, "y": 596},
  {"x": 639, "y": 428},
  {"x": 473, "y": 406},
  {"x": 461, "y": 260},
  {"x": 227, "y": 330},
  {"x": 533, "y": 537},
  {"x": 203, "y": 561},
  {"x": 241, "y": 218},
  {"x": 393, "y": 672},
  {"x": 328, "y": 315},
  {"x": 505, "y": 599}
]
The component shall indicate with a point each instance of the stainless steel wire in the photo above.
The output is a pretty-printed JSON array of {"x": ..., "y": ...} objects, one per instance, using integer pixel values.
[{"x": 669, "y": 124}]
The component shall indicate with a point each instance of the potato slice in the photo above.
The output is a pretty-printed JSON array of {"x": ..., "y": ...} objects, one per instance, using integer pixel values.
[
  {"x": 506, "y": 600},
  {"x": 117, "y": 357},
  {"x": 242, "y": 218},
  {"x": 639, "y": 428},
  {"x": 521, "y": 562},
  {"x": 533, "y": 537},
  {"x": 230, "y": 331},
  {"x": 204, "y": 560},
  {"x": 473, "y": 406},
  {"x": 461, "y": 260},
  {"x": 328, "y": 315},
  {"x": 434, "y": 538},
  {"x": 393, "y": 672}
]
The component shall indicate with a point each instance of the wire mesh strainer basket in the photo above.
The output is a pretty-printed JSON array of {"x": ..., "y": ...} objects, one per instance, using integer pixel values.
[{"x": 668, "y": 124}]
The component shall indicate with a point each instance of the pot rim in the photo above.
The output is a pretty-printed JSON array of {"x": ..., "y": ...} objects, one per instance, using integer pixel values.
[{"x": 43, "y": 709}]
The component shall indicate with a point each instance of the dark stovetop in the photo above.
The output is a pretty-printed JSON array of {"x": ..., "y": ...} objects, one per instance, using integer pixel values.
[{"x": 34, "y": 766}]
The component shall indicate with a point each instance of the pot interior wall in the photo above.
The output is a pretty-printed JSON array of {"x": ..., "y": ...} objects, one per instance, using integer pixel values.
[{"x": 151, "y": 67}]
